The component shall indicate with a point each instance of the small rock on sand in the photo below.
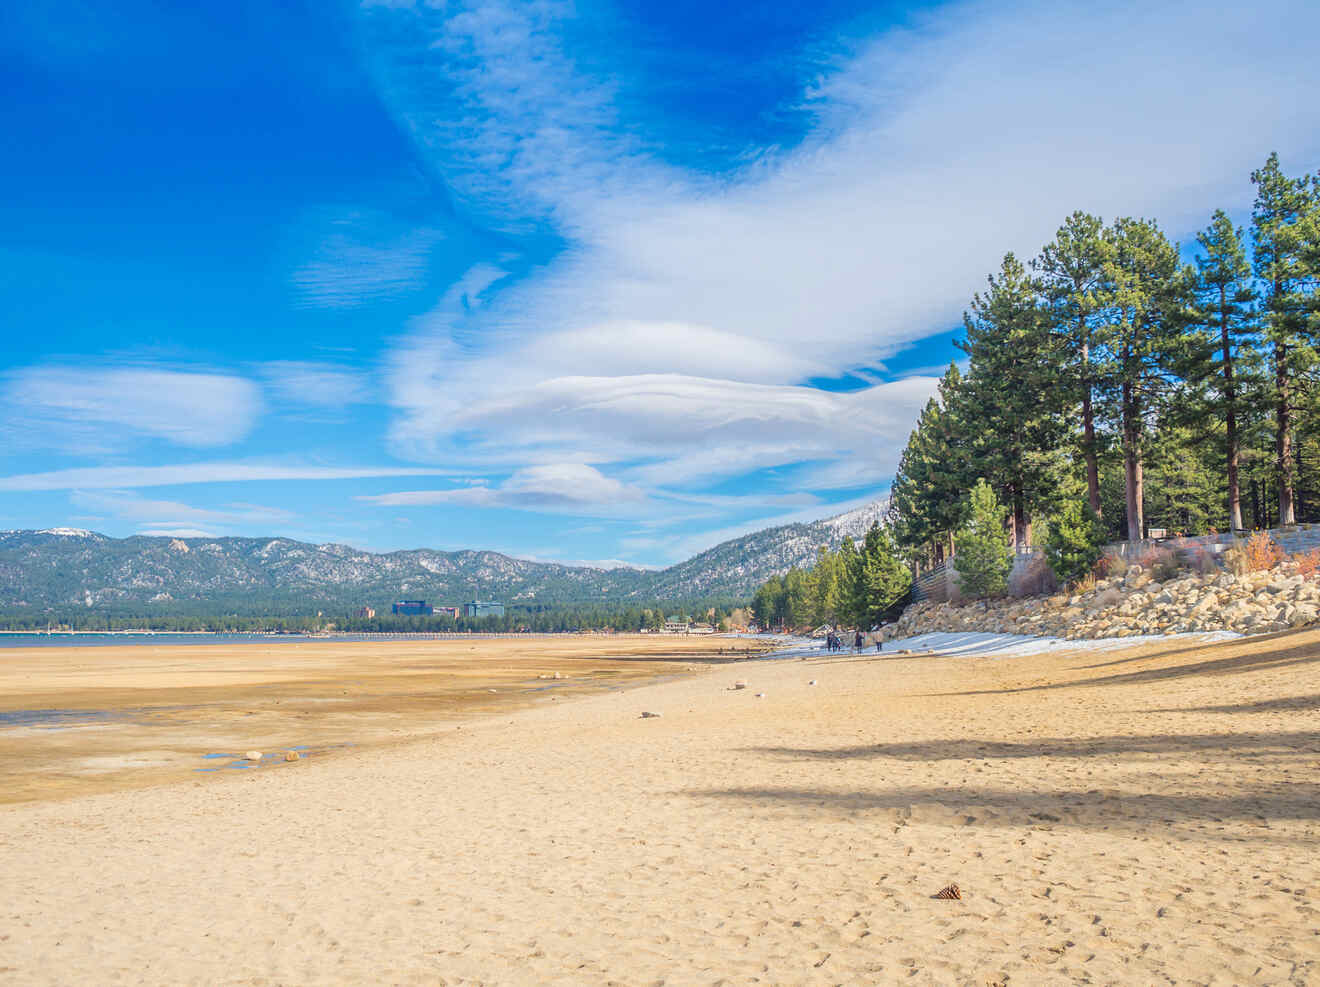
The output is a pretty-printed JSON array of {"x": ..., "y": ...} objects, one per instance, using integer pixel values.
[
  {"x": 252, "y": 756},
  {"x": 760, "y": 695},
  {"x": 740, "y": 684},
  {"x": 291, "y": 755},
  {"x": 812, "y": 682},
  {"x": 648, "y": 716}
]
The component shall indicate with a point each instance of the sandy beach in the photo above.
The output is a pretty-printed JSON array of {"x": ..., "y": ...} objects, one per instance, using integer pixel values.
[{"x": 1134, "y": 816}]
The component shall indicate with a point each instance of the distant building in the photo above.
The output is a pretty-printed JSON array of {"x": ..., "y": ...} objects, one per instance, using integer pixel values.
[
  {"x": 701, "y": 629},
  {"x": 477, "y": 609},
  {"x": 413, "y": 608},
  {"x": 676, "y": 625},
  {"x": 364, "y": 613},
  {"x": 447, "y": 612}
]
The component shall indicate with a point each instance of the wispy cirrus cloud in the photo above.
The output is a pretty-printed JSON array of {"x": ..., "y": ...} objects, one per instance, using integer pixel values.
[
  {"x": 131, "y": 477},
  {"x": 320, "y": 385},
  {"x": 90, "y": 408},
  {"x": 364, "y": 256},
  {"x": 171, "y": 516},
  {"x": 551, "y": 487},
  {"x": 938, "y": 145}
]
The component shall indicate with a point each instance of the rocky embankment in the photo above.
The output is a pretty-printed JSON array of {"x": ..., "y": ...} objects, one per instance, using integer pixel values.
[{"x": 1136, "y": 603}]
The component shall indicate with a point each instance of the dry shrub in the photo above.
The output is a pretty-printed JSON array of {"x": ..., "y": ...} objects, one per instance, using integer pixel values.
[
  {"x": 1308, "y": 563},
  {"x": 1161, "y": 563},
  {"x": 1261, "y": 553},
  {"x": 1110, "y": 566},
  {"x": 1200, "y": 559},
  {"x": 1087, "y": 583}
]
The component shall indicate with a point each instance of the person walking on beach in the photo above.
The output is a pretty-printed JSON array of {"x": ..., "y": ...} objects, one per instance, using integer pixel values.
[{"x": 858, "y": 642}]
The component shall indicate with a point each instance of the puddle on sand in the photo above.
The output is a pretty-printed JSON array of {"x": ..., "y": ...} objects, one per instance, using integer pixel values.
[
  {"x": 237, "y": 762},
  {"x": 56, "y": 719}
]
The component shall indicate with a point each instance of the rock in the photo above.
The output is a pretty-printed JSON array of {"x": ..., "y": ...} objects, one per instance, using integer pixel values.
[
  {"x": 650, "y": 716},
  {"x": 760, "y": 695},
  {"x": 1303, "y": 614},
  {"x": 252, "y": 756},
  {"x": 812, "y": 682},
  {"x": 1109, "y": 598},
  {"x": 291, "y": 755}
]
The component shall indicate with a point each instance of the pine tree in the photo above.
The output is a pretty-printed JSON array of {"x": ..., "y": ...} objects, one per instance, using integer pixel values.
[
  {"x": 1143, "y": 297},
  {"x": 1075, "y": 541},
  {"x": 928, "y": 492},
  {"x": 1280, "y": 220},
  {"x": 1071, "y": 272},
  {"x": 983, "y": 561},
  {"x": 884, "y": 577},
  {"x": 1220, "y": 365},
  {"x": 1011, "y": 392},
  {"x": 852, "y": 584}
]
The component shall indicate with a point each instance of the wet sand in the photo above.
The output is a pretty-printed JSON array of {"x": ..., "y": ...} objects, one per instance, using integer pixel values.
[
  {"x": 1141, "y": 816},
  {"x": 76, "y": 720}
]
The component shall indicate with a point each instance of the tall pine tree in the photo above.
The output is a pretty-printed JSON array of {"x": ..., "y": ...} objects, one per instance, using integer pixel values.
[
  {"x": 1279, "y": 222},
  {"x": 1143, "y": 295},
  {"x": 1011, "y": 394},
  {"x": 1071, "y": 271}
]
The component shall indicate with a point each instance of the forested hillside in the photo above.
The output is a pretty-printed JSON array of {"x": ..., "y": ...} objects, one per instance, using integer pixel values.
[{"x": 63, "y": 571}]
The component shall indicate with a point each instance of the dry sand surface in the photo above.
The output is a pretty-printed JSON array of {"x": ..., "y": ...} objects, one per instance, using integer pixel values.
[
  {"x": 1145, "y": 816},
  {"x": 79, "y": 719}
]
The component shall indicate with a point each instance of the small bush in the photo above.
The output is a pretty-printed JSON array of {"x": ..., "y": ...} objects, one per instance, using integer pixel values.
[
  {"x": 1308, "y": 563},
  {"x": 1200, "y": 560},
  {"x": 1261, "y": 553},
  {"x": 1161, "y": 563}
]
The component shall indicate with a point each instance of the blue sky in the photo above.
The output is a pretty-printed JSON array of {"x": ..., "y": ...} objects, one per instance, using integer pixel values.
[{"x": 600, "y": 282}]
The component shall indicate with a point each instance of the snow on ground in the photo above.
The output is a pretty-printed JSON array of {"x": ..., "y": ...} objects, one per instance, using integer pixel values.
[{"x": 958, "y": 644}]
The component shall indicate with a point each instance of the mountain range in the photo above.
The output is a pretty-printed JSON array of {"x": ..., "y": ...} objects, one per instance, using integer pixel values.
[{"x": 58, "y": 570}]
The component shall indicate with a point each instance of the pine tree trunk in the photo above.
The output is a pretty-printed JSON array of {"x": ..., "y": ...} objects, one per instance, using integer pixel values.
[
  {"x": 1283, "y": 461},
  {"x": 1020, "y": 522},
  {"x": 1088, "y": 435},
  {"x": 1131, "y": 465},
  {"x": 1230, "y": 420}
]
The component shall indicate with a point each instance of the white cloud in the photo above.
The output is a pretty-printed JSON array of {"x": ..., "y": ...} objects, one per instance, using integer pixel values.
[
  {"x": 552, "y": 487},
  {"x": 168, "y": 532},
  {"x": 322, "y": 385},
  {"x": 366, "y": 256},
  {"x": 671, "y": 342},
  {"x": 689, "y": 428},
  {"x": 124, "y": 505},
  {"x": 127, "y": 477},
  {"x": 86, "y": 408}
]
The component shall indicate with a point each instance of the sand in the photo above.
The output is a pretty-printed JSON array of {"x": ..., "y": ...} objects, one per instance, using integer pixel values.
[
  {"x": 75, "y": 720},
  {"x": 1143, "y": 816}
]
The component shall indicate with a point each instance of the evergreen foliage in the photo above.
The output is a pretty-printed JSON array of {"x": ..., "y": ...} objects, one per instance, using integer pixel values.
[
  {"x": 851, "y": 586},
  {"x": 1178, "y": 396},
  {"x": 1075, "y": 541},
  {"x": 983, "y": 561}
]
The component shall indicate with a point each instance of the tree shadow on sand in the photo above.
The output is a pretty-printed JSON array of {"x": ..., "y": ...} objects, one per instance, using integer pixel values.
[
  {"x": 1273, "y": 658},
  {"x": 1286, "y": 744},
  {"x": 1286, "y": 704},
  {"x": 1097, "y": 808}
]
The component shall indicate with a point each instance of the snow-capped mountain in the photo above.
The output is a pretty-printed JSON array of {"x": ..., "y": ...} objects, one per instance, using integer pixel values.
[{"x": 57, "y": 568}]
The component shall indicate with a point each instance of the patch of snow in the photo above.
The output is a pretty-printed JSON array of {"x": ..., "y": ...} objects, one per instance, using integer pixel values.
[
  {"x": 957, "y": 644},
  {"x": 68, "y": 532}
]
